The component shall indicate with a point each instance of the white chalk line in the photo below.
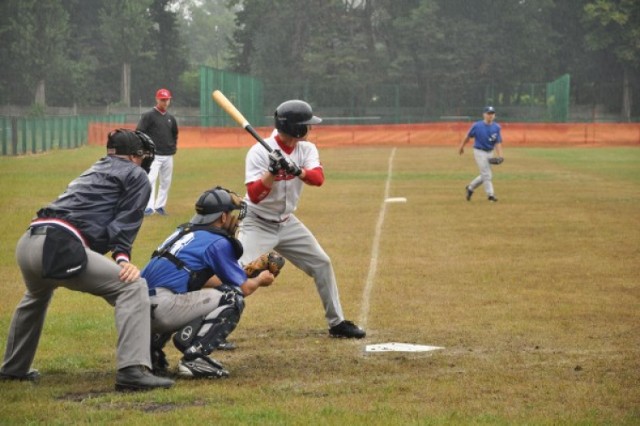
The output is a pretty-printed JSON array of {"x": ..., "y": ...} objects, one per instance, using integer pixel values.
[{"x": 373, "y": 265}]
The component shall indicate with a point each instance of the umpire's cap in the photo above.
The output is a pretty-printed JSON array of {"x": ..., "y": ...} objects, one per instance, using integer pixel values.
[
  {"x": 489, "y": 109},
  {"x": 124, "y": 142},
  {"x": 212, "y": 203}
]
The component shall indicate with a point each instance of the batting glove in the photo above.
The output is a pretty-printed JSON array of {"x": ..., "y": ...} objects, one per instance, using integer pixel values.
[
  {"x": 291, "y": 167},
  {"x": 275, "y": 161}
]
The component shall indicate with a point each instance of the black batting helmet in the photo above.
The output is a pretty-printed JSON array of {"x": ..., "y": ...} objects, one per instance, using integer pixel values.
[{"x": 293, "y": 118}]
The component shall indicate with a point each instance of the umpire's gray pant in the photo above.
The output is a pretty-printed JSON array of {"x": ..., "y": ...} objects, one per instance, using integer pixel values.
[
  {"x": 100, "y": 278},
  {"x": 485, "y": 177}
]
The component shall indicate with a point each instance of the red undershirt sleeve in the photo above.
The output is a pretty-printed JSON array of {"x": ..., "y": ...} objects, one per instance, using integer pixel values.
[
  {"x": 314, "y": 176},
  {"x": 257, "y": 191}
]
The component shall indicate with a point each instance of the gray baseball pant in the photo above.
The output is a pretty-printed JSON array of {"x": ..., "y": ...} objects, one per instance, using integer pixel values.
[
  {"x": 173, "y": 310},
  {"x": 485, "y": 177},
  {"x": 297, "y": 244},
  {"x": 100, "y": 278}
]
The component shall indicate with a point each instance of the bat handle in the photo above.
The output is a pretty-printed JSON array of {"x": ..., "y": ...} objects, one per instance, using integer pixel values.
[{"x": 255, "y": 134}]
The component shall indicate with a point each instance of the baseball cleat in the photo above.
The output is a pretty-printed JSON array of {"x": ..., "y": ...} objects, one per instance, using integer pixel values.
[
  {"x": 348, "y": 330},
  {"x": 469, "y": 193},
  {"x": 159, "y": 364},
  {"x": 201, "y": 367},
  {"x": 139, "y": 378},
  {"x": 492, "y": 198},
  {"x": 31, "y": 376},
  {"x": 162, "y": 212},
  {"x": 225, "y": 345},
  {"x": 148, "y": 212}
]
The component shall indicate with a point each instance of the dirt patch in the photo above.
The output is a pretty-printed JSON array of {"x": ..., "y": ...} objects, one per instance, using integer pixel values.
[{"x": 148, "y": 407}]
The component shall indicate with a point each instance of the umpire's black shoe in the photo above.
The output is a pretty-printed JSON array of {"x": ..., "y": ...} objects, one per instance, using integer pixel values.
[
  {"x": 469, "y": 193},
  {"x": 31, "y": 376},
  {"x": 348, "y": 330},
  {"x": 139, "y": 378}
]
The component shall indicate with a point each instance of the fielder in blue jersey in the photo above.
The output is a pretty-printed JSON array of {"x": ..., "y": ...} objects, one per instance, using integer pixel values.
[
  {"x": 197, "y": 286},
  {"x": 487, "y": 141}
]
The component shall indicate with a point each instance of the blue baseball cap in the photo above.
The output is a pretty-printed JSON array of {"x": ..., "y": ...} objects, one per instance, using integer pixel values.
[{"x": 489, "y": 109}]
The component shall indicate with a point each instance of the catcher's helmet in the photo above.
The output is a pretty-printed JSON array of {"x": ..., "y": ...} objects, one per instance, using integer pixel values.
[
  {"x": 213, "y": 202},
  {"x": 130, "y": 142},
  {"x": 293, "y": 118}
]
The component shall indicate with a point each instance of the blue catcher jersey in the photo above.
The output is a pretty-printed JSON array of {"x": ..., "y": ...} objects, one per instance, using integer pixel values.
[
  {"x": 198, "y": 250},
  {"x": 485, "y": 135}
]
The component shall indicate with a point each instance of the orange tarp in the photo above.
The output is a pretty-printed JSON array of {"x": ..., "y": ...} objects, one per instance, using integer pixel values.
[{"x": 435, "y": 134}]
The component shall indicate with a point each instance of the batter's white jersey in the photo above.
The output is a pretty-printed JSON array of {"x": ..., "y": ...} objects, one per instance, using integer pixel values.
[{"x": 286, "y": 190}]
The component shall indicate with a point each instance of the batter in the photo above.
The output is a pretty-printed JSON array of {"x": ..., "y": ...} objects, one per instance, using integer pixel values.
[{"x": 274, "y": 184}]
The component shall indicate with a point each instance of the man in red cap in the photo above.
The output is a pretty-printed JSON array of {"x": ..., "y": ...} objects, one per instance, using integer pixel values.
[{"x": 162, "y": 128}]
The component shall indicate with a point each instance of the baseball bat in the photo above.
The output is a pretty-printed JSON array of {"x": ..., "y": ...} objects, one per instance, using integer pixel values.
[{"x": 237, "y": 116}]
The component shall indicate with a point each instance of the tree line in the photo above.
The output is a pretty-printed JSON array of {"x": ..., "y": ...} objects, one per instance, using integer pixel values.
[{"x": 97, "y": 52}]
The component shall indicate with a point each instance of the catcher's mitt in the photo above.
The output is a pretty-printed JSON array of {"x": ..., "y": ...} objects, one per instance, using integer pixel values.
[
  {"x": 271, "y": 261},
  {"x": 496, "y": 160}
]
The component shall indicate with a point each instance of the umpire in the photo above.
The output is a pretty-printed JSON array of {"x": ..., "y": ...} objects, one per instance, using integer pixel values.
[{"x": 101, "y": 211}]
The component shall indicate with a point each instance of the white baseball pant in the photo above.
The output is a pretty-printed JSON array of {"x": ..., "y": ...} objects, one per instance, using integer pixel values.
[{"x": 161, "y": 167}]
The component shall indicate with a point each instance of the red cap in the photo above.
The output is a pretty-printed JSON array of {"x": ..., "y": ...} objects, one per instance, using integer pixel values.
[{"x": 163, "y": 94}]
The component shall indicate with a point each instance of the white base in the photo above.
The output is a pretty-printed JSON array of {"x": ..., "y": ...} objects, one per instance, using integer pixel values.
[
  {"x": 396, "y": 200},
  {"x": 400, "y": 347}
]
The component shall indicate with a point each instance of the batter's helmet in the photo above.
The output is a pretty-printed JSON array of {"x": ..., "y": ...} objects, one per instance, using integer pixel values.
[
  {"x": 213, "y": 202},
  {"x": 293, "y": 118}
]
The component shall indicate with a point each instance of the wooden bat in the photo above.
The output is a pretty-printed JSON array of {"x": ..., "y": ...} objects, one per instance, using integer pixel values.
[{"x": 237, "y": 116}]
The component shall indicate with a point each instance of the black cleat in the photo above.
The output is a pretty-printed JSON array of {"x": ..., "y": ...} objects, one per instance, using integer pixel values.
[
  {"x": 492, "y": 199},
  {"x": 139, "y": 378},
  {"x": 469, "y": 193},
  {"x": 32, "y": 376},
  {"x": 348, "y": 330},
  {"x": 225, "y": 345},
  {"x": 159, "y": 363},
  {"x": 201, "y": 367}
]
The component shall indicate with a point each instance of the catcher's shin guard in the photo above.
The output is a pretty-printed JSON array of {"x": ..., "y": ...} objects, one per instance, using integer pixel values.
[{"x": 203, "y": 335}]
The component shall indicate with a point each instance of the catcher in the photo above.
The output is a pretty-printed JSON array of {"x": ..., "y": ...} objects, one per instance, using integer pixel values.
[{"x": 197, "y": 286}]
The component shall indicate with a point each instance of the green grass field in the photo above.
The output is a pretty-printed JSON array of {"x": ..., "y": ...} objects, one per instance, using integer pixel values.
[{"x": 535, "y": 299}]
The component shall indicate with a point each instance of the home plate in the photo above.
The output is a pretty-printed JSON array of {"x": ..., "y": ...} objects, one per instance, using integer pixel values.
[
  {"x": 396, "y": 200},
  {"x": 400, "y": 347}
]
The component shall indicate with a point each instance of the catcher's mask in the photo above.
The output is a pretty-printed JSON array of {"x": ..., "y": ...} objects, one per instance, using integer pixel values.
[
  {"x": 294, "y": 117},
  {"x": 130, "y": 142},
  {"x": 213, "y": 202}
]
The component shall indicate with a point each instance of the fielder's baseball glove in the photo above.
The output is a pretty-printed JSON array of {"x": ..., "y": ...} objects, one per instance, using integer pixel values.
[
  {"x": 271, "y": 261},
  {"x": 496, "y": 160}
]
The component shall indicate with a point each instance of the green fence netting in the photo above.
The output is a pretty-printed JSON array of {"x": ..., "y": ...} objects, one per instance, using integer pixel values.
[
  {"x": 558, "y": 99},
  {"x": 244, "y": 91},
  {"x": 22, "y": 135}
]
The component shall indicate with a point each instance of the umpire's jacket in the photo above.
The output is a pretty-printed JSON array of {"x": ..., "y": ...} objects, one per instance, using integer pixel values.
[{"x": 105, "y": 204}]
